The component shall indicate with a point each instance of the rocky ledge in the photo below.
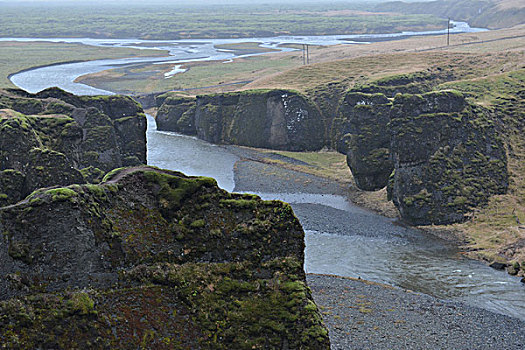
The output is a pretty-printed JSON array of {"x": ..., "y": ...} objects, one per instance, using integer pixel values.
[
  {"x": 154, "y": 259},
  {"x": 56, "y": 138}
]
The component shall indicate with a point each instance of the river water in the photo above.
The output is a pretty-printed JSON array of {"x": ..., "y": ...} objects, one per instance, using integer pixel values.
[{"x": 345, "y": 240}]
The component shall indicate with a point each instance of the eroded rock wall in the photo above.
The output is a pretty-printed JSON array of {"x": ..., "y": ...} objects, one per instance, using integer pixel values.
[
  {"x": 276, "y": 119},
  {"x": 154, "y": 259},
  {"x": 441, "y": 155},
  {"x": 448, "y": 157},
  {"x": 363, "y": 135},
  {"x": 56, "y": 138}
]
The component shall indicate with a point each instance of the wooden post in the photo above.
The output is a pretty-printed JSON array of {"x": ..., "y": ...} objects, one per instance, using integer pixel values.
[{"x": 448, "y": 32}]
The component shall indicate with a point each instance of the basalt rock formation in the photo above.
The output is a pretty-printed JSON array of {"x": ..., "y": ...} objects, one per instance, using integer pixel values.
[
  {"x": 448, "y": 157},
  {"x": 440, "y": 154},
  {"x": 363, "y": 135},
  {"x": 276, "y": 119},
  {"x": 56, "y": 138},
  {"x": 154, "y": 259}
]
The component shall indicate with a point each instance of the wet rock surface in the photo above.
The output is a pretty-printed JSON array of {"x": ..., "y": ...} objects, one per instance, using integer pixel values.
[{"x": 152, "y": 258}]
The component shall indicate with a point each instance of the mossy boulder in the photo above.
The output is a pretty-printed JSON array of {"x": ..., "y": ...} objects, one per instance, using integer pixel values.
[
  {"x": 154, "y": 259},
  {"x": 276, "y": 119},
  {"x": 363, "y": 135},
  {"x": 66, "y": 134},
  {"x": 448, "y": 157}
]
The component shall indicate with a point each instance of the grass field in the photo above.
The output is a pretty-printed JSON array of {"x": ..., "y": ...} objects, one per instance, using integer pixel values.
[
  {"x": 17, "y": 56},
  {"x": 194, "y": 20},
  {"x": 345, "y": 65},
  {"x": 150, "y": 78}
]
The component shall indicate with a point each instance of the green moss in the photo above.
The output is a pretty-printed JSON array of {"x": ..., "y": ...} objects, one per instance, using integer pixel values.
[
  {"x": 111, "y": 174},
  {"x": 61, "y": 194},
  {"x": 81, "y": 303},
  {"x": 198, "y": 223},
  {"x": 174, "y": 189},
  {"x": 239, "y": 203}
]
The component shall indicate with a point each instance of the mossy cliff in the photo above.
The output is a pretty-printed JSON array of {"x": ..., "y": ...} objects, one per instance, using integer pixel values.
[
  {"x": 448, "y": 156},
  {"x": 444, "y": 155},
  {"x": 154, "y": 259},
  {"x": 56, "y": 138},
  {"x": 363, "y": 135},
  {"x": 276, "y": 119}
]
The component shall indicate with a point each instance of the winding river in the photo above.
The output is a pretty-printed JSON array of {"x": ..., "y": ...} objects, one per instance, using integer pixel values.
[{"x": 349, "y": 241}]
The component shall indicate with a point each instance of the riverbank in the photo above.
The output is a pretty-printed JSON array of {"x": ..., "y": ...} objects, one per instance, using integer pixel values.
[
  {"x": 362, "y": 314},
  {"x": 365, "y": 315}
]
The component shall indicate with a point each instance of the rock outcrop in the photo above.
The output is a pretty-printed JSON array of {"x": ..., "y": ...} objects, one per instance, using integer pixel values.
[
  {"x": 448, "y": 157},
  {"x": 56, "y": 138},
  {"x": 154, "y": 259},
  {"x": 276, "y": 119},
  {"x": 363, "y": 135},
  {"x": 442, "y": 154}
]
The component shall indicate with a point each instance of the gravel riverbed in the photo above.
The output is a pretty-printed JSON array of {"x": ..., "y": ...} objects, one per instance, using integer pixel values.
[{"x": 366, "y": 315}]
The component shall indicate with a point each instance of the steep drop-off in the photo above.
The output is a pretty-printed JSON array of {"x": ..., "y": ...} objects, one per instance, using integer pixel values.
[
  {"x": 440, "y": 155},
  {"x": 56, "y": 138},
  {"x": 154, "y": 259},
  {"x": 276, "y": 119}
]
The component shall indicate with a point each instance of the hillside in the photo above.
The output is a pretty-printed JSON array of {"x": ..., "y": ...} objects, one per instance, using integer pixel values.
[{"x": 478, "y": 13}]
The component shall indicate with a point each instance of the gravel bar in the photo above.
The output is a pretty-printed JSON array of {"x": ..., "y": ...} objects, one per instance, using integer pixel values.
[{"x": 366, "y": 315}]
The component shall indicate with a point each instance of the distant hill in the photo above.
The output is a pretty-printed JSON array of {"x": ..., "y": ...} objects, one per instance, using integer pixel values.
[{"x": 491, "y": 14}]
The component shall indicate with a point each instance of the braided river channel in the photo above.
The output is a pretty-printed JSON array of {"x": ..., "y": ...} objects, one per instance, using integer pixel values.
[{"x": 341, "y": 238}]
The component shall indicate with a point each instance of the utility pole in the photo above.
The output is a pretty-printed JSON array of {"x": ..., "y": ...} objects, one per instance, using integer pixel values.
[
  {"x": 304, "y": 54},
  {"x": 448, "y": 32},
  {"x": 307, "y": 54}
]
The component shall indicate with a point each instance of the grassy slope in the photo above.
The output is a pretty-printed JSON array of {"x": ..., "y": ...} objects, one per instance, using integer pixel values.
[
  {"x": 285, "y": 69},
  {"x": 17, "y": 56},
  {"x": 479, "y": 13}
]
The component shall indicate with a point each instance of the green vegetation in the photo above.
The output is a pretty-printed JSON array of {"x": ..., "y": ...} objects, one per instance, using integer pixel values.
[
  {"x": 201, "y": 21},
  {"x": 198, "y": 75},
  {"x": 494, "y": 230},
  {"x": 17, "y": 56}
]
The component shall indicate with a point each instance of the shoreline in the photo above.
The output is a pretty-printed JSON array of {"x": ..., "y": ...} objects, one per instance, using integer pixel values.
[
  {"x": 43, "y": 66},
  {"x": 367, "y": 315}
]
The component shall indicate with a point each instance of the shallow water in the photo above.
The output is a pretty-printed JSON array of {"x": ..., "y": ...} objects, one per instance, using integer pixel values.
[{"x": 356, "y": 242}]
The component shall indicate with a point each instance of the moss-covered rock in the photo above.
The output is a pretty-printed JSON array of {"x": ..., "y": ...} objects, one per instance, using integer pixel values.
[
  {"x": 276, "y": 119},
  {"x": 448, "y": 157},
  {"x": 363, "y": 135},
  {"x": 65, "y": 134},
  {"x": 154, "y": 259}
]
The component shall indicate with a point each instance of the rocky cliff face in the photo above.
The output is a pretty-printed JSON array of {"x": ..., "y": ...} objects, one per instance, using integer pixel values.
[
  {"x": 363, "y": 135},
  {"x": 446, "y": 153},
  {"x": 277, "y": 119},
  {"x": 154, "y": 259},
  {"x": 448, "y": 157},
  {"x": 56, "y": 138}
]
